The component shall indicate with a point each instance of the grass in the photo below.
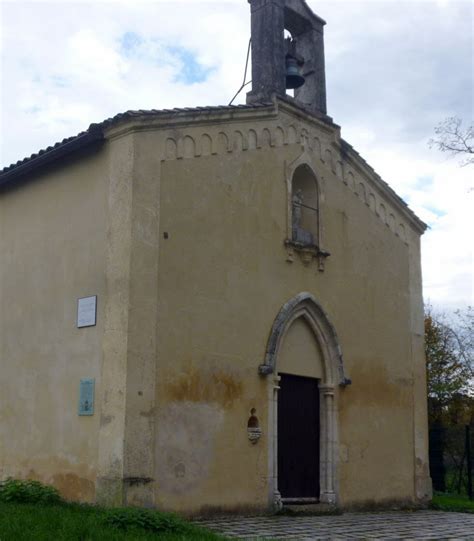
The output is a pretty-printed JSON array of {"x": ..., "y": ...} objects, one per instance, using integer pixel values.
[
  {"x": 30, "y": 510},
  {"x": 452, "y": 502},
  {"x": 74, "y": 522}
]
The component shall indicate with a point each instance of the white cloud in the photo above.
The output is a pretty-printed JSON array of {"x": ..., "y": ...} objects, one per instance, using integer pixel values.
[{"x": 394, "y": 70}]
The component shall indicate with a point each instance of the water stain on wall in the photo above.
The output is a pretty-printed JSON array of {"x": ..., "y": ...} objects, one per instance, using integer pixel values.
[
  {"x": 195, "y": 399},
  {"x": 185, "y": 444},
  {"x": 73, "y": 487},
  {"x": 204, "y": 385}
]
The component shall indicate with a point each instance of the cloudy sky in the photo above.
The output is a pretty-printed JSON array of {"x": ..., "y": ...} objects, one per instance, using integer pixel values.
[{"x": 394, "y": 70}]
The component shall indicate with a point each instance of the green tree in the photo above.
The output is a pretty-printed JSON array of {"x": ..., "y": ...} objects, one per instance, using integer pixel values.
[{"x": 449, "y": 348}]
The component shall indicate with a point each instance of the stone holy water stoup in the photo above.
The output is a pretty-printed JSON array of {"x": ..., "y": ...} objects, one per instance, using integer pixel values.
[{"x": 254, "y": 432}]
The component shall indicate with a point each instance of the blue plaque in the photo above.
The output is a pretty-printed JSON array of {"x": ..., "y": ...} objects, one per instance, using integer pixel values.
[{"x": 86, "y": 397}]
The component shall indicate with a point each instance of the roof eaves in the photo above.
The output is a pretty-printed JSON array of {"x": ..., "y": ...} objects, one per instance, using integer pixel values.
[
  {"x": 95, "y": 133},
  {"x": 422, "y": 226},
  {"x": 183, "y": 113},
  {"x": 52, "y": 153}
]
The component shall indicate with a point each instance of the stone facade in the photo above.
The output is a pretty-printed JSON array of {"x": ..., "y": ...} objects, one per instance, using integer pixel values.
[{"x": 181, "y": 223}]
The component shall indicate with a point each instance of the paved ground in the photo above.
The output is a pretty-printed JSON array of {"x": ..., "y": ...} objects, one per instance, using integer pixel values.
[{"x": 386, "y": 526}]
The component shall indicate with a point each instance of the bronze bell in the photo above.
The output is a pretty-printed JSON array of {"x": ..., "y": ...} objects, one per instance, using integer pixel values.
[{"x": 294, "y": 78}]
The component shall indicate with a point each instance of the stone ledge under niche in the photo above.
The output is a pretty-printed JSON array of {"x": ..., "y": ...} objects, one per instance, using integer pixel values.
[{"x": 306, "y": 252}]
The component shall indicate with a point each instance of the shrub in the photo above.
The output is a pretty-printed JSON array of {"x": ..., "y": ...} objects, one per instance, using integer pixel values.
[
  {"x": 18, "y": 491},
  {"x": 148, "y": 520}
]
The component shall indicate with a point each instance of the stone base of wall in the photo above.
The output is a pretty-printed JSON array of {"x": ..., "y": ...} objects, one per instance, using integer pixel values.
[{"x": 385, "y": 505}]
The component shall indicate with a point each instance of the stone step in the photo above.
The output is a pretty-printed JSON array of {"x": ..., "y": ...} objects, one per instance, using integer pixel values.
[{"x": 310, "y": 509}]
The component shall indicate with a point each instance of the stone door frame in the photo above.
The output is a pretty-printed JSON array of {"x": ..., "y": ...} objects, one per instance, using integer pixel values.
[{"x": 305, "y": 305}]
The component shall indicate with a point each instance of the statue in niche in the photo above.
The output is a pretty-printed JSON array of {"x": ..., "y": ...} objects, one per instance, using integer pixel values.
[
  {"x": 299, "y": 234},
  {"x": 297, "y": 210}
]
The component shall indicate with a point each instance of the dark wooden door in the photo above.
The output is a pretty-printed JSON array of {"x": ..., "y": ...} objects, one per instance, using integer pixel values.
[{"x": 298, "y": 437}]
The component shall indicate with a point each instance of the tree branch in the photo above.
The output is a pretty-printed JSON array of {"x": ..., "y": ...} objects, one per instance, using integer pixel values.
[{"x": 453, "y": 139}]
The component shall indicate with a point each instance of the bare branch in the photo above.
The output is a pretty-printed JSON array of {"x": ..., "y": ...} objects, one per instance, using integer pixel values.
[{"x": 452, "y": 138}]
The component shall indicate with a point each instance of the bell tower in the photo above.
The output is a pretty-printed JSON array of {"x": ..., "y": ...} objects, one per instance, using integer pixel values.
[{"x": 279, "y": 64}]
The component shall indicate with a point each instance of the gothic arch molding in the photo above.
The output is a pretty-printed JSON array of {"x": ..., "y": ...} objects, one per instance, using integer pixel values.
[{"x": 306, "y": 306}]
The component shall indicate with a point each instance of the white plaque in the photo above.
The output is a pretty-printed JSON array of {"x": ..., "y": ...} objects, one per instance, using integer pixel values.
[{"x": 87, "y": 311}]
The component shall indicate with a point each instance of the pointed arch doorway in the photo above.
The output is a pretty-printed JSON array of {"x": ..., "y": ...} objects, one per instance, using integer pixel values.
[{"x": 304, "y": 363}]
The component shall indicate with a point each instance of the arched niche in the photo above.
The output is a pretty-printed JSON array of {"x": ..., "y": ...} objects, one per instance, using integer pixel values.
[
  {"x": 304, "y": 212},
  {"x": 305, "y": 206},
  {"x": 303, "y": 188}
]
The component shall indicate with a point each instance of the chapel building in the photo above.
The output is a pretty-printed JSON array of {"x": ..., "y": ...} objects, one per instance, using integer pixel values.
[{"x": 215, "y": 308}]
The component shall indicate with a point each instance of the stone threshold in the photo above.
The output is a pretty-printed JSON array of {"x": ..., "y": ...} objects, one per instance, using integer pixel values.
[{"x": 302, "y": 508}]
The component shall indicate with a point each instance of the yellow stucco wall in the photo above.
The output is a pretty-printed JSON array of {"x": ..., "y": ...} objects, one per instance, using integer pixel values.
[
  {"x": 52, "y": 239},
  {"x": 178, "y": 225}
]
